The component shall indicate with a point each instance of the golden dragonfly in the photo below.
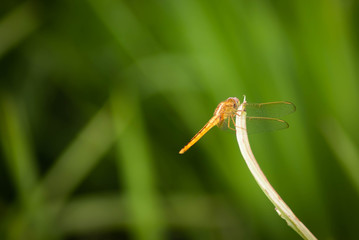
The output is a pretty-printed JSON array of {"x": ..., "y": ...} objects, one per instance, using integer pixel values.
[{"x": 260, "y": 117}]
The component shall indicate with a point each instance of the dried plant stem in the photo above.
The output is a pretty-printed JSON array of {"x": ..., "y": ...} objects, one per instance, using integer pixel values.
[{"x": 281, "y": 207}]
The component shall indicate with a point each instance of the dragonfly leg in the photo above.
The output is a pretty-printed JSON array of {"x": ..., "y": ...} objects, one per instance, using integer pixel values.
[
  {"x": 238, "y": 113},
  {"x": 234, "y": 123},
  {"x": 229, "y": 123}
]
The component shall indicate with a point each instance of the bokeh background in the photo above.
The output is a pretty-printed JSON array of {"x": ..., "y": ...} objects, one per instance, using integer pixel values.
[{"x": 98, "y": 96}]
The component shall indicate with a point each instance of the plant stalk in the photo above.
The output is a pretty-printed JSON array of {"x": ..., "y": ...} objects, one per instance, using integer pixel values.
[{"x": 280, "y": 206}]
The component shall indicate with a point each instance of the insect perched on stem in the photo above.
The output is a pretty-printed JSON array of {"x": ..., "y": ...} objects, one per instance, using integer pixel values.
[{"x": 260, "y": 117}]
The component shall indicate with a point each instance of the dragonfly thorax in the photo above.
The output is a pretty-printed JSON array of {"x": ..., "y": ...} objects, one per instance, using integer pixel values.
[{"x": 227, "y": 108}]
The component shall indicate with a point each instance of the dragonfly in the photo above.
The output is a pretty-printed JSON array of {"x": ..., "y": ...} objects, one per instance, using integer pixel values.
[{"x": 261, "y": 117}]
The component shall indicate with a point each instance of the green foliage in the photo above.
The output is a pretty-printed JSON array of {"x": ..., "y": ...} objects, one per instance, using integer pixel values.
[{"x": 98, "y": 97}]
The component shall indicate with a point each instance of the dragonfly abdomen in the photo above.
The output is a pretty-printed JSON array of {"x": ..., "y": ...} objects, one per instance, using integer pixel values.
[{"x": 211, "y": 123}]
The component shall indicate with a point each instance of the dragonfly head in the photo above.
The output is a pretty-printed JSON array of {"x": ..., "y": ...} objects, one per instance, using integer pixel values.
[
  {"x": 227, "y": 107},
  {"x": 233, "y": 102}
]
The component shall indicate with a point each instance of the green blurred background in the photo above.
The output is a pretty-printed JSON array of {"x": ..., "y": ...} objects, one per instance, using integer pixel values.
[{"x": 98, "y": 96}]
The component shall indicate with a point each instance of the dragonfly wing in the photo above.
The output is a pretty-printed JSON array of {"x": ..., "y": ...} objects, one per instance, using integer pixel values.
[
  {"x": 227, "y": 124},
  {"x": 260, "y": 124},
  {"x": 269, "y": 110},
  {"x": 222, "y": 124}
]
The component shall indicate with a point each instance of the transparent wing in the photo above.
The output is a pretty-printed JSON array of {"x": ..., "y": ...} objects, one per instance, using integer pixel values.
[
  {"x": 269, "y": 110},
  {"x": 227, "y": 124},
  {"x": 256, "y": 124},
  {"x": 261, "y": 124},
  {"x": 262, "y": 117}
]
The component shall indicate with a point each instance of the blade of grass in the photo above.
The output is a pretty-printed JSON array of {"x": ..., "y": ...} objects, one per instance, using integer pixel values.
[
  {"x": 135, "y": 168},
  {"x": 80, "y": 157},
  {"x": 23, "y": 170},
  {"x": 16, "y": 26},
  {"x": 281, "y": 207},
  {"x": 17, "y": 148},
  {"x": 345, "y": 149},
  {"x": 128, "y": 31},
  {"x": 108, "y": 211}
]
